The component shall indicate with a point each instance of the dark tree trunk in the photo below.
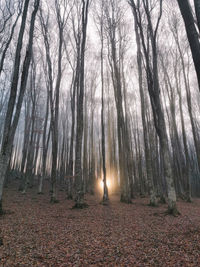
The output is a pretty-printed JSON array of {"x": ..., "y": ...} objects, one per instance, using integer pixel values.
[
  {"x": 197, "y": 11},
  {"x": 153, "y": 200},
  {"x": 105, "y": 188},
  {"x": 154, "y": 93},
  {"x": 11, "y": 125},
  {"x": 192, "y": 34},
  {"x": 79, "y": 199}
]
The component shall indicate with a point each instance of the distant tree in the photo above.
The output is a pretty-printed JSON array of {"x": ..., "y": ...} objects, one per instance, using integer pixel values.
[
  {"x": 113, "y": 18},
  {"x": 153, "y": 200},
  {"x": 54, "y": 92},
  {"x": 100, "y": 27}
]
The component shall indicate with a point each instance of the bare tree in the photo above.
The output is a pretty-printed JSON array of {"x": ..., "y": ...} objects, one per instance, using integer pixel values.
[
  {"x": 154, "y": 90},
  {"x": 192, "y": 33},
  {"x": 54, "y": 93},
  {"x": 79, "y": 199},
  {"x": 153, "y": 201},
  {"x": 100, "y": 28},
  {"x": 12, "y": 118},
  {"x": 112, "y": 15},
  {"x": 8, "y": 41}
]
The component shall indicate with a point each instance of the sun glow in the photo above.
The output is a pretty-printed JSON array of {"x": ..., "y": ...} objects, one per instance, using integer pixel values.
[{"x": 108, "y": 182}]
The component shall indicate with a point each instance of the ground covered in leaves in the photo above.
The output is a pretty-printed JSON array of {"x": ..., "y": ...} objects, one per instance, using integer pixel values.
[{"x": 37, "y": 233}]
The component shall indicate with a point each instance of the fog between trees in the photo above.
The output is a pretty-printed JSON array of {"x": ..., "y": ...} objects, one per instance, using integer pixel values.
[{"x": 101, "y": 90}]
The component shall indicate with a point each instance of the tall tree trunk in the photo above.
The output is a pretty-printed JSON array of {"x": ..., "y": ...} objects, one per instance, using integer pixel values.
[
  {"x": 154, "y": 93},
  {"x": 11, "y": 125},
  {"x": 192, "y": 34},
  {"x": 27, "y": 125},
  {"x": 85, "y": 150},
  {"x": 3, "y": 56},
  {"x": 44, "y": 146},
  {"x": 153, "y": 200},
  {"x": 117, "y": 85},
  {"x": 55, "y": 111},
  {"x": 71, "y": 149},
  {"x": 79, "y": 200},
  {"x": 197, "y": 11},
  {"x": 105, "y": 188}
]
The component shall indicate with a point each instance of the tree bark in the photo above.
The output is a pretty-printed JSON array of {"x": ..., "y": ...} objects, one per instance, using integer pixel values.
[
  {"x": 153, "y": 200},
  {"x": 192, "y": 34},
  {"x": 79, "y": 200},
  {"x": 10, "y": 126},
  {"x": 154, "y": 93}
]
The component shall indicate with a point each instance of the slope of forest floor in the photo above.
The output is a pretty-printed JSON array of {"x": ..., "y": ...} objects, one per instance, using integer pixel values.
[{"x": 37, "y": 233}]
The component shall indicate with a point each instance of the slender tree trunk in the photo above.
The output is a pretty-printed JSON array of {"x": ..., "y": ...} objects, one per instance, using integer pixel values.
[
  {"x": 27, "y": 125},
  {"x": 55, "y": 117},
  {"x": 154, "y": 93},
  {"x": 153, "y": 200},
  {"x": 192, "y": 34},
  {"x": 79, "y": 200},
  {"x": 186, "y": 150},
  {"x": 71, "y": 149},
  {"x": 11, "y": 125},
  {"x": 85, "y": 150},
  {"x": 105, "y": 188},
  {"x": 44, "y": 146},
  {"x": 121, "y": 125},
  {"x": 197, "y": 11},
  {"x": 3, "y": 56},
  {"x": 92, "y": 154}
]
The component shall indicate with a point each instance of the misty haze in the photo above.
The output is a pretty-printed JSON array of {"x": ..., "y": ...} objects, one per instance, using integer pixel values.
[{"x": 99, "y": 133}]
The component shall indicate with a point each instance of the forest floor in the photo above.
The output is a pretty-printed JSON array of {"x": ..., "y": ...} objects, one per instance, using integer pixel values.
[{"x": 37, "y": 233}]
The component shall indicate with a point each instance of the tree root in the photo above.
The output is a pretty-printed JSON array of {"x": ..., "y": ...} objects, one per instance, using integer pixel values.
[
  {"x": 162, "y": 200},
  {"x": 173, "y": 211},
  {"x": 54, "y": 201},
  {"x": 125, "y": 200},
  {"x": 2, "y": 212},
  {"x": 188, "y": 200},
  {"x": 80, "y": 205},
  {"x": 153, "y": 204}
]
